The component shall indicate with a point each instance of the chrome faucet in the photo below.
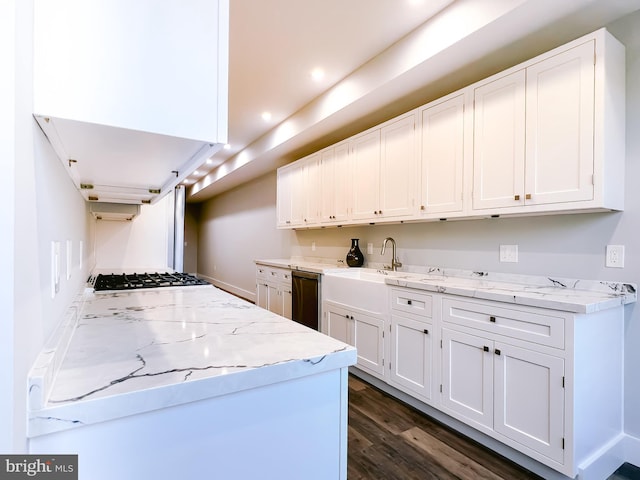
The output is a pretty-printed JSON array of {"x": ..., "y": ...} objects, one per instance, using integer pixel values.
[{"x": 395, "y": 263}]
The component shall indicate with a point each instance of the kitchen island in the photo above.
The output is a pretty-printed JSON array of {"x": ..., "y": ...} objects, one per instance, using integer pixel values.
[{"x": 190, "y": 383}]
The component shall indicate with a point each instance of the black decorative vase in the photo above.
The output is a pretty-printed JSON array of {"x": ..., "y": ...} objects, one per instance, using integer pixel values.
[{"x": 355, "y": 258}]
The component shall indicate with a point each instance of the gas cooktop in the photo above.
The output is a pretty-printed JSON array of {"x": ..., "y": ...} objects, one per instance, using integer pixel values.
[{"x": 132, "y": 281}]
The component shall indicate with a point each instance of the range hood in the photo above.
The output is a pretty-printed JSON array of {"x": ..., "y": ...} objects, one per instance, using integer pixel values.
[
  {"x": 132, "y": 96},
  {"x": 114, "y": 211}
]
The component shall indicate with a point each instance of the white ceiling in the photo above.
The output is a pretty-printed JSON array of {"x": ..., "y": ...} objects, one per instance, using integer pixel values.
[{"x": 398, "y": 54}]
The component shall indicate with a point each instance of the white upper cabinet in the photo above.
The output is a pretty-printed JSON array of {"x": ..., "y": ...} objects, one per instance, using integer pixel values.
[
  {"x": 284, "y": 195},
  {"x": 365, "y": 161},
  {"x": 131, "y": 95},
  {"x": 335, "y": 188},
  {"x": 385, "y": 170},
  {"x": 398, "y": 167},
  {"x": 559, "y": 135},
  {"x": 545, "y": 136},
  {"x": 498, "y": 142},
  {"x": 542, "y": 134},
  {"x": 442, "y": 155}
]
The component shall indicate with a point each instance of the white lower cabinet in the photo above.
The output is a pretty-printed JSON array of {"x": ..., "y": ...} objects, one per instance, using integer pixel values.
[
  {"x": 361, "y": 329},
  {"x": 516, "y": 392},
  {"x": 273, "y": 289},
  {"x": 412, "y": 343},
  {"x": 522, "y": 375},
  {"x": 411, "y": 363}
]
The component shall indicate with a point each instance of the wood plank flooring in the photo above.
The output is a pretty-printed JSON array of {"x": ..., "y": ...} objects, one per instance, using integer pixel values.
[{"x": 390, "y": 440}]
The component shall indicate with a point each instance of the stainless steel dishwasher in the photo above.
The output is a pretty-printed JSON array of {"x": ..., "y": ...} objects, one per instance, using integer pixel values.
[{"x": 306, "y": 296}]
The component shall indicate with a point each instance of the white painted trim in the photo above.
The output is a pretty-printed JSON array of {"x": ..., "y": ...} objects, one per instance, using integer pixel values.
[
  {"x": 227, "y": 287},
  {"x": 603, "y": 462}
]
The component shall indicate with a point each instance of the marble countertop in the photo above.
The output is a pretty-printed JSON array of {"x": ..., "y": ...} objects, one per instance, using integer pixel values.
[
  {"x": 123, "y": 353},
  {"x": 304, "y": 264},
  {"x": 570, "y": 295}
]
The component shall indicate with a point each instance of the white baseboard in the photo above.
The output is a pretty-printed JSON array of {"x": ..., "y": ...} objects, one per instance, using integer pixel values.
[
  {"x": 605, "y": 461},
  {"x": 227, "y": 287}
]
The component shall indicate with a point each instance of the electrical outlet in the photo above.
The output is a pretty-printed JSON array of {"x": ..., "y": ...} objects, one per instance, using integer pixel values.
[
  {"x": 509, "y": 253},
  {"x": 615, "y": 256},
  {"x": 369, "y": 248},
  {"x": 313, "y": 246}
]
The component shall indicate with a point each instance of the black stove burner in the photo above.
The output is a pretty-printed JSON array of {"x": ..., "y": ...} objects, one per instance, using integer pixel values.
[{"x": 133, "y": 281}]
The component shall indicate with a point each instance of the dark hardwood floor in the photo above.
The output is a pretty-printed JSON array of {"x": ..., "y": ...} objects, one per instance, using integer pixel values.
[{"x": 389, "y": 440}]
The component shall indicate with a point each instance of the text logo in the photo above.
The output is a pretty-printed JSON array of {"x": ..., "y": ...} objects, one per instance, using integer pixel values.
[{"x": 51, "y": 467}]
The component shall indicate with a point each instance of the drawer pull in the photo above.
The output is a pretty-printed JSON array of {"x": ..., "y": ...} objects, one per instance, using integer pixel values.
[
  {"x": 492, "y": 319},
  {"x": 485, "y": 348},
  {"x": 408, "y": 302},
  {"x": 497, "y": 351},
  {"x": 516, "y": 197},
  {"x": 426, "y": 331}
]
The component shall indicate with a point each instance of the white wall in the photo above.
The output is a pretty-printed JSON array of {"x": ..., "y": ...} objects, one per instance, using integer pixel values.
[
  {"x": 7, "y": 216},
  {"x": 235, "y": 229},
  {"x": 239, "y": 226},
  {"x": 39, "y": 206},
  {"x": 141, "y": 244}
]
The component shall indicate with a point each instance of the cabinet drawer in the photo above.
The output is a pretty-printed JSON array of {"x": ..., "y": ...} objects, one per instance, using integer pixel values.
[
  {"x": 412, "y": 302},
  {"x": 261, "y": 272},
  {"x": 273, "y": 274},
  {"x": 544, "y": 328}
]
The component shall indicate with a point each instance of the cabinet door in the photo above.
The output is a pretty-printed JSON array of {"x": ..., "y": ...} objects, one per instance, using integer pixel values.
[
  {"x": 336, "y": 184},
  {"x": 298, "y": 194},
  {"x": 442, "y": 156},
  {"x": 286, "y": 294},
  {"x": 560, "y": 116},
  {"x": 398, "y": 167},
  {"x": 342, "y": 181},
  {"x": 369, "y": 341},
  {"x": 529, "y": 399},
  {"x": 467, "y": 383},
  {"x": 339, "y": 323},
  {"x": 310, "y": 191},
  {"x": 365, "y": 161},
  {"x": 262, "y": 295},
  {"x": 283, "y": 196},
  {"x": 499, "y": 142},
  {"x": 274, "y": 298},
  {"x": 411, "y": 356}
]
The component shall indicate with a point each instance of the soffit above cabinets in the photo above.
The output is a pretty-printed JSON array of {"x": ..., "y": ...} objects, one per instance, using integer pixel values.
[{"x": 132, "y": 96}]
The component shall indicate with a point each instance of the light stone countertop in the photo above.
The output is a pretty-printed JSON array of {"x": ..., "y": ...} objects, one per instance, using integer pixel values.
[
  {"x": 122, "y": 353},
  {"x": 566, "y": 294}
]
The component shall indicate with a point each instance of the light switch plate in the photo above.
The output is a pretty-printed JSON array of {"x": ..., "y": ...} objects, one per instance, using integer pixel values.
[
  {"x": 369, "y": 248},
  {"x": 55, "y": 268},
  {"x": 509, "y": 253}
]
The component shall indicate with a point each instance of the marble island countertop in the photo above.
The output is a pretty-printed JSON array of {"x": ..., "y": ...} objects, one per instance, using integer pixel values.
[{"x": 119, "y": 354}]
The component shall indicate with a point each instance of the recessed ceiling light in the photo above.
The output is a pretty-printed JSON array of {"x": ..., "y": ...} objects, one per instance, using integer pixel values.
[
  {"x": 196, "y": 172},
  {"x": 266, "y": 116},
  {"x": 209, "y": 161},
  {"x": 317, "y": 74},
  {"x": 227, "y": 146}
]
